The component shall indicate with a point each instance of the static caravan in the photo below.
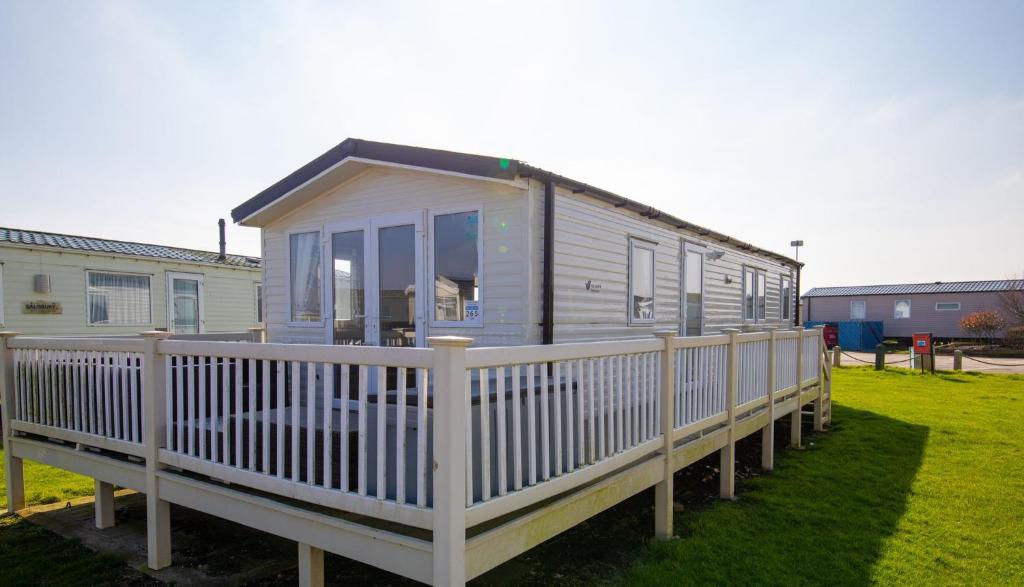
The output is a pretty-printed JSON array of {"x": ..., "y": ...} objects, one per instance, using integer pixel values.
[
  {"x": 381, "y": 244},
  {"x": 64, "y": 285}
]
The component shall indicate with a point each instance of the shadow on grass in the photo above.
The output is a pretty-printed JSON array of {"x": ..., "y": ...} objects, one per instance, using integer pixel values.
[{"x": 823, "y": 516}]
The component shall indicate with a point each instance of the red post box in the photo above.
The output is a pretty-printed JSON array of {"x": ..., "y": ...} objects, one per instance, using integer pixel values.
[{"x": 922, "y": 343}]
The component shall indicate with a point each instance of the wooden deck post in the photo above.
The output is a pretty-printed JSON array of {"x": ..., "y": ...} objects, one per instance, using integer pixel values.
[
  {"x": 768, "y": 432},
  {"x": 104, "y": 505},
  {"x": 663, "y": 494},
  {"x": 158, "y": 511},
  {"x": 795, "y": 417},
  {"x": 837, "y": 356},
  {"x": 727, "y": 466},
  {"x": 13, "y": 467},
  {"x": 450, "y": 458},
  {"x": 823, "y": 361},
  {"x": 311, "y": 566}
]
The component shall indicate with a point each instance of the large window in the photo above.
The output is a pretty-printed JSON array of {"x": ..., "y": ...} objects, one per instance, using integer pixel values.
[
  {"x": 641, "y": 282},
  {"x": 901, "y": 309},
  {"x": 858, "y": 310},
  {"x": 754, "y": 303},
  {"x": 457, "y": 269},
  {"x": 118, "y": 299},
  {"x": 305, "y": 269},
  {"x": 785, "y": 297}
]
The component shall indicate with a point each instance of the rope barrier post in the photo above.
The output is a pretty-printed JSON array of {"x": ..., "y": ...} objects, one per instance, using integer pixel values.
[
  {"x": 958, "y": 360},
  {"x": 879, "y": 357},
  {"x": 837, "y": 351}
]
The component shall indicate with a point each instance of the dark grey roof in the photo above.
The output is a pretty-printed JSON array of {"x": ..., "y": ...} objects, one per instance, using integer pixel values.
[
  {"x": 464, "y": 163},
  {"x": 937, "y": 287},
  {"x": 99, "y": 245}
]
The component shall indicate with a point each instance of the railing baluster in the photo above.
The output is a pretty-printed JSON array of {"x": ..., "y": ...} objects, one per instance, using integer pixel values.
[
  {"x": 485, "y": 434},
  {"x": 400, "y": 443},
  {"x": 468, "y": 397},
  {"x": 603, "y": 420},
  {"x": 382, "y": 428},
  {"x": 500, "y": 430},
  {"x": 531, "y": 422},
  {"x": 517, "y": 429},
  {"x": 251, "y": 396},
  {"x": 361, "y": 448},
  {"x": 202, "y": 373},
  {"x": 279, "y": 371},
  {"x": 545, "y": 428},
  {"x": 225, "y": 421},
  {"x": 215, "y": 393},
  {"x": 310, "y": 423},
  {"x": 239, "y": 413},
  {"x": 328, "y": 416},
  {"x": 592, "y": 438},
  {"x": 570, "y": 432},
  {"x": 421, "y": 436},
  {"x": 265, "y": 428}
]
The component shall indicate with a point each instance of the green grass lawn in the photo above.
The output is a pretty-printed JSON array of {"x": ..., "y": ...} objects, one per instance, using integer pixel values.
[{"x": 921, "y": 482}]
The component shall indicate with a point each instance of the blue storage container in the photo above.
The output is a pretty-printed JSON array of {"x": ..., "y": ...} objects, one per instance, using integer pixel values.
[
  {"x": 855, "y": 335},
  {"x": 860, "y": 335}
]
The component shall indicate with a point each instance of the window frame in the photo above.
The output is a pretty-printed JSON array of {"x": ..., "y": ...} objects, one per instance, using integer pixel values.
[
  {"x": 2, "y": 321},
  {"x": 652, "y": 246},
  {"x": 431, "y": 308},
  {"x": 958, "y": 307},
  {"x": 786, "y": 309},
  {"x": 910, "y": 307},
  {"x": 288, "y": 273},
  {"x": 687, "y": 246},
  {"x": 257, "y": 293},
  {"x": 864, "y": 314},
  {"x": 148, "y": 276},
  {"x": 758, "y": 274}
]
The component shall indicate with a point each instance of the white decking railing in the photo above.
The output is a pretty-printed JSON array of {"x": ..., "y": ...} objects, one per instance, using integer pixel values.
[{"x": 381, "y": 432}]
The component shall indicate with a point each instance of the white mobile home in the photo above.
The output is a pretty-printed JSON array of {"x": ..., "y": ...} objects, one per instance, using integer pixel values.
[
  {"x": 422, "y": 242},
  {"x": 58, "y": 284}
]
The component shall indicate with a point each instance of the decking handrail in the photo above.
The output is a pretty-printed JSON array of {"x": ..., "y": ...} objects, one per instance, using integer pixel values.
[{"x": 444, "y": 438}]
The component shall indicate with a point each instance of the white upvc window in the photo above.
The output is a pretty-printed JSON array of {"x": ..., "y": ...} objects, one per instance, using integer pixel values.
[
  {"x": 754, "y": 295},
  {"x": 785, "y": 297},
  {"x": 901, "y": 309},
  {"x": 305, "y": 278},
  {"x": 641, "y": 281},
  {"x": 118, "y": 299},
  {"x": 858, "y": 310},
  {"x": 947, "y": 306},
  {"x": 456, "y": 253},
  {"x": 258, "y": 300},
  {"x": 2, "y": 294}
]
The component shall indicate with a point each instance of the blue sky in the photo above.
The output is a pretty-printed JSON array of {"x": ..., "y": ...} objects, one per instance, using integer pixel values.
[{"x": 889, "y": 136}]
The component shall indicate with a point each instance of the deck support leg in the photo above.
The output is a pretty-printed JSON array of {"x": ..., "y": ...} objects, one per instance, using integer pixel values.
[
  {"x": 15, "y": 470},
  {"x": 13, "y": 467},
  {"x": 104, "y": 505},
  {"x": 794, "y": 425},
  {"x": 819, "y": 414},
  {"x": 158, "y": 533},
  {"x": 727, "y": 466},
  {"x": 311, "y": 566},
  {"x": 663, "y": 493},
  {"x": 768, "y": 432}
]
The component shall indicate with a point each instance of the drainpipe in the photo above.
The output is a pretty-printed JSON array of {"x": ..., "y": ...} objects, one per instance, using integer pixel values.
[
  {"x": 548, "y": 322},
  {"x": 223, "y": 244}
]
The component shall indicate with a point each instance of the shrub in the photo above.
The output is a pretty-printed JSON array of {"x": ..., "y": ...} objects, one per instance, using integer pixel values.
[
  {"x": 1014, "y": 337},
  {"x": 984, "y": 325}
]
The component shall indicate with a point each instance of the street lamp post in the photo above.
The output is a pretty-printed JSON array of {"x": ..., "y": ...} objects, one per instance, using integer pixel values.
[{"x": 796, "y": 246}]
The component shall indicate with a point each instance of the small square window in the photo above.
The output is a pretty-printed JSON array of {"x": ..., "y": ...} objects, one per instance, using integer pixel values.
[
  {"x": 901, "y": 309},
  {"x": 858, "y": 310}
]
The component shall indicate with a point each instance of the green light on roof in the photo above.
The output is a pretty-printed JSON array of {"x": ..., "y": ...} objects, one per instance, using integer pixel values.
[{"x": 504, "y": 163}]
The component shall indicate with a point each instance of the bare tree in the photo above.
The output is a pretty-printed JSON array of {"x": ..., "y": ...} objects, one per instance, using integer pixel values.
[{"x": 1012, "y": 302}]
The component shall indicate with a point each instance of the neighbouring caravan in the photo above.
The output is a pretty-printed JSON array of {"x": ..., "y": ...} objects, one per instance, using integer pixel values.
[
  {"x": 64, "y": 285},
  {"x": 383, "y": 244}
]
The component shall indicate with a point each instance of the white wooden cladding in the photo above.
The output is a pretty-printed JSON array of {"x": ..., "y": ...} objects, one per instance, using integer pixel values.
[
  {"x": 82, "y": 391},
  {"x": 272, "y": 418},
  {"x": 533, "y": 422}
]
